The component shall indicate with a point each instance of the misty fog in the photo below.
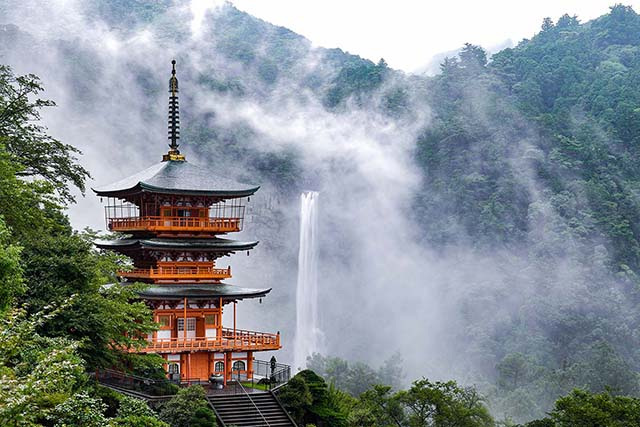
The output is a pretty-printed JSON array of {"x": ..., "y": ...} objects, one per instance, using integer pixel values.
[{"x": 382, "y": 288}]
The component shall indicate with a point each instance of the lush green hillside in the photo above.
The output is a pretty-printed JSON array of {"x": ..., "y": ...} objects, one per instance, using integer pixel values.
[
  {"x": 533, "y": 155},
  {"x": 528, "y": 172}
]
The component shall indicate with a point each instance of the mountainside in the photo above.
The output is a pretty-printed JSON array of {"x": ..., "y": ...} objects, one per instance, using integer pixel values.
[{"x": 484, "y": 222}]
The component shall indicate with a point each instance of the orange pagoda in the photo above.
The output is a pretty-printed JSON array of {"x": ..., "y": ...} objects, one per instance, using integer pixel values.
[{"x": 172, "y": 216}]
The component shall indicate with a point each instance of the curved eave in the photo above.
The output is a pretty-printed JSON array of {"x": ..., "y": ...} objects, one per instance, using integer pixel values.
[
  {"x": 142, "y": 187},
  {"x": 200, "y": 292},
  {"x": 177, "y": 177},
  {"x": 222, "y": 245},
  {"x": 196, "y": 192}
]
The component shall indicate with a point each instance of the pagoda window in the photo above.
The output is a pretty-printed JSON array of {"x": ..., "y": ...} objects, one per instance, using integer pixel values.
[
  {"x": 164, "y": 331},
  {"x": 191, "y": 328},
  {"x": 239, "y": 365},
  {"x": 164, "y": 321},
  {"x": 211, "y": 320},
  {"x": 211, "y": 325},
  {"x": 218, "y": 367}
]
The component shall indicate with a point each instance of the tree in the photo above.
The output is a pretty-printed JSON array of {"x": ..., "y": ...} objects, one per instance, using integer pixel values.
[
  {"x": 473, "y": 57},
  {"x": 11, "y": 273},
  {"x": 585, "y": 409},
  {"x": 380, "y": 407},
  {"x": 187, "y": 408},
  {"x": 79, "y": 410},
  {"x": 137, "y": 421},
  {"x": 103, "y": 318},
  {"x": 308, "y": 397},
  {"x": 443, "y": 404},
  {"x": 513, "y": 371},
  {"x": 581, "y": 408},
  {"x": 37, "y": 373},
  {"x": 296, "y": 398},
  {"x": 135, "y": 413},
  {"x": 39, "y": 154}
]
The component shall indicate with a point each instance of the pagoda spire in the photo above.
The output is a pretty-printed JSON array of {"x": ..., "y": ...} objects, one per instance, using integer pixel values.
[{"x": 174, "y": 118}]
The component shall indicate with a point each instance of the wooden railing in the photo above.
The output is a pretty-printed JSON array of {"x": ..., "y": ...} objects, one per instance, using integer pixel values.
[
  {"x": 177, "y": 273},
  {"x": 237, "y": 340},
  {"x": 174, "y": 223}
]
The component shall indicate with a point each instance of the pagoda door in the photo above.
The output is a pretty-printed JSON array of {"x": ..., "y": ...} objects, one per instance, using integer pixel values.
[
  {"x": 166, "y": 214},
  {"x": 191, "y": 328}
]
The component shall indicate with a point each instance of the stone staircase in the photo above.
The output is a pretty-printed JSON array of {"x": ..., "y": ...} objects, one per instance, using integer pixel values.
[{"x": 252, "y": 409}]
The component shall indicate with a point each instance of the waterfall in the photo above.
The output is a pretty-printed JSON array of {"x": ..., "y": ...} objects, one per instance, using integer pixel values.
[{"x": 308, "y": 335}]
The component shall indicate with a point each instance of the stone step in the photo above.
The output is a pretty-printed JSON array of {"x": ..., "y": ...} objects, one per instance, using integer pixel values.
[{"x": 239, "y": 410}]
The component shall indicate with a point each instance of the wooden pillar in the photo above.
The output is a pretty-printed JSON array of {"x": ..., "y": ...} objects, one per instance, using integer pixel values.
[
  {"x": 188, "y": 366},
  {"x": 249, "y": 365},
  {"x": 184, "y": 326},
  {"x": 227, "y": 366},
  {"x": 219, "y": 333},
  {"x": 234, "y": 323}
]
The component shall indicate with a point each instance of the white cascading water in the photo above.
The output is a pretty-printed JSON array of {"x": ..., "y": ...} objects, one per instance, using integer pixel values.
[{"x": 308, "y": 335}]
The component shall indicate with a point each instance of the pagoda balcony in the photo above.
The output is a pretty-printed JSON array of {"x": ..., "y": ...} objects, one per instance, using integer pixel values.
[
  {"x": 231, "y": 340},
  {"x": 178, "y": 273},
  {"x": 175, "y": 224}
]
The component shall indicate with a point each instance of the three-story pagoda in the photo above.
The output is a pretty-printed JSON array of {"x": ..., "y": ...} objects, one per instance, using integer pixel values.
[{"x": 172, "y": 216}]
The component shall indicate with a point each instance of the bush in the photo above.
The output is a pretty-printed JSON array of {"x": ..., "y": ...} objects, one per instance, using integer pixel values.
[{"x": 188, "y": 408}]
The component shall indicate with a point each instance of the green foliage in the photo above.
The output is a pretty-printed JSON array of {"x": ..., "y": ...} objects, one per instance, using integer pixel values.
[
  {"x": 37, "y": 373},
  {"x": 38, "y": 154},
  {"x": 100, "y": 318},
  {"x": 57, "y": 317},
  {"x": 188, "y": 408},
  {"x": 581, "y": 408},
  {"x": 377, "y": 407},
  {"x": 530, "y": 157},
  {"x": 356, "y": 377},
  {"x": 11, "y": 273},
  {"x": 137, "y": 421},
  {"x": 357, "y": 80},
  {"x": 79, "y": 410},
  {"x": 585, "y": 409},
  {"x": 296, "y": 397},
  {"x": 443, "y": 404},
  {"x": 135, "y": 413},
  {"x": 130, "y": 406},
  {"x": 310, "y": 401}
]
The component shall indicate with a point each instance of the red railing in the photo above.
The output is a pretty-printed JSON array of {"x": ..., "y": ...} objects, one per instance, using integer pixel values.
[
  {"x": 177, "y": 273},
  {"x": 171, "y": 223},
  {"x": 238, "y": 340}
]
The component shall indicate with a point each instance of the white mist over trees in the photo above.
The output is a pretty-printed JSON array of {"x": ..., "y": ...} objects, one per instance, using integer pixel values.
[{"x": 459, "y": 226}]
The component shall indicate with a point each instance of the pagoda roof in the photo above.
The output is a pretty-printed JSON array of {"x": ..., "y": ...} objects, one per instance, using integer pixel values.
[
  {"x": 201, "y": 291},
  {"x": 177, "y": 177},
  {"x": 214, "y": 244}
]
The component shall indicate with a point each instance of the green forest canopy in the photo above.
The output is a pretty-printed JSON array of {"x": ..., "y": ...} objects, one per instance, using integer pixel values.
[{"x": 558, "y": 113}]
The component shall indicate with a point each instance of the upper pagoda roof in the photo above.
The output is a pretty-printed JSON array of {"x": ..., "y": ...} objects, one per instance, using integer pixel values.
[{"x": 177, "y": 177}]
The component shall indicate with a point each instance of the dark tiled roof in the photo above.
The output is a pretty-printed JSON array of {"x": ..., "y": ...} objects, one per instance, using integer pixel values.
[
  {"x": 202, "y": 291},
  {"x": 178, "y": 177},
  {"x": 226, "y": 245}
]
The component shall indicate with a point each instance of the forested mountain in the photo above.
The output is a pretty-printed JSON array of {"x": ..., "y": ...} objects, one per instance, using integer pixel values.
[{"x": 491, "y": 212}]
